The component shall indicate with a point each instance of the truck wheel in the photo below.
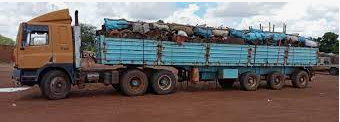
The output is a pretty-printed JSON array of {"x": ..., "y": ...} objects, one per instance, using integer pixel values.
[
  {"x": 333, "y": 71},
  {"x": 249, "y": 81},
  {"x": 55, "y": 85},
  {"x": 133, "y": 83},
  {"x": 300, "y": 79},
  {"x": 226, "y": 83},
  {"x": 275, "y": 80},
  {"x": 163, "y": 82}
]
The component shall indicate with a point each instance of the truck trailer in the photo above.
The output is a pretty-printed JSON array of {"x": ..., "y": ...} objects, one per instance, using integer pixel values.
[{"x": 48, "y": 53}]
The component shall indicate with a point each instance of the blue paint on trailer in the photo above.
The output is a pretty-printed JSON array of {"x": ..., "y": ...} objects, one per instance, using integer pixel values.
[{"x": 210, "y": 58}]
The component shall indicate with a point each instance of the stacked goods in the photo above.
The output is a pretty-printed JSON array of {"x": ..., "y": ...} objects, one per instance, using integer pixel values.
[{"x": 161, "y": 31}]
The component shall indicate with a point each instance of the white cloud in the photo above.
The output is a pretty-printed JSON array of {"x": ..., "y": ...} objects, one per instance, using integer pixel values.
[
  {"x": 186, "y": 16},
  {"x": 242, "y": 9}
]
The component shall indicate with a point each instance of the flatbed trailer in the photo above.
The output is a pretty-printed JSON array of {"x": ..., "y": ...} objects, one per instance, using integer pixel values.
[{"x": 135, "y": 65}]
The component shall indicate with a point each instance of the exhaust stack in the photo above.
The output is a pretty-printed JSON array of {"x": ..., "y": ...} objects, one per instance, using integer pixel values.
[{"x": 76, "y": 23}]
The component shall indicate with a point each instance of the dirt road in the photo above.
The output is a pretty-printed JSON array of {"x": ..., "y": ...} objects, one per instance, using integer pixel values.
[{"x": 97, "y": 103}]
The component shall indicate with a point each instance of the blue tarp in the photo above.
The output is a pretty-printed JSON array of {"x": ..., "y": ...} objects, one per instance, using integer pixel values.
[
  {"x": 204, "y": 32},
  {"x": 111, "y": 24},
  {"x": 256, "y": 34},
  {"x": 237, "y": 33},
  {"x": 279, "y": 36},
  {"x": 301, "y": 39}
]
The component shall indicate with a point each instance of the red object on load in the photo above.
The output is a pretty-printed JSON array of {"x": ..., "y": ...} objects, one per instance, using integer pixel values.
[{"x": 180, "y": 39}]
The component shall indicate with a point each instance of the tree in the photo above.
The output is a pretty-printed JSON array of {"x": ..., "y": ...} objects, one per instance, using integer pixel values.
[
  {"x": 6, "y": 41},
  {"x": 88, "y": 36},
  {"x": 329, "y": 43}
]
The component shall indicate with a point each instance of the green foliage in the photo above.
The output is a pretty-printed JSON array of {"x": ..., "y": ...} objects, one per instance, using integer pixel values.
[
  {"x": 88, "y": 35},
  {"x": 6, "y": 41},
  {"x": 329, "y": 43}
]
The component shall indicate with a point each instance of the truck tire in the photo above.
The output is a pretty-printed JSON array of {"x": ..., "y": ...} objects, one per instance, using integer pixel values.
[
  {"x": 133, "y": 83},
  {"x": 276, "y": 80},
  {"x": 226, "y": 83},
  {"x": 333, "y": 71},
  {"x": 300, "y": 79},
  {"x": 55, "y": 85},
  {"x": 249, "y": 81},
  {"x": 163, "y": 82}
]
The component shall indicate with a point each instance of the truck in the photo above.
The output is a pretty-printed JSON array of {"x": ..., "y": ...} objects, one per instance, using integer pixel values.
[
  {"x": 48, "y": 53},
  {"x": 328, "y": 62}
]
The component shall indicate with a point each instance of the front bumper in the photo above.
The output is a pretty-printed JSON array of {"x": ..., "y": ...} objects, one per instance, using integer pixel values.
[
  {"x": 16, "y": 76},
  {"x": 21, "y": 77}
]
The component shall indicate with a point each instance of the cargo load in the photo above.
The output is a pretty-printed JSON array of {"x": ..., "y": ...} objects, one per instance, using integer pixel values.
[{"x": 121, "y": 28}]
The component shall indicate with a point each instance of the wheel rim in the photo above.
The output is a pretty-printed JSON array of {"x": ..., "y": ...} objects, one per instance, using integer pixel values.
[
  {"x": 251, "y": 82},
  {"x": 164, "y": 82},
  {"x": 277, "y": 81},
  {"x": 136, "y": 84},
  {"x": 302, "y": 80},
  {"x": 58, "y": 85}
]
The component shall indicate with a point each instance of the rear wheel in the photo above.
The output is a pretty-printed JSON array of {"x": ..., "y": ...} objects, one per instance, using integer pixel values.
[
  {"x": 300, "y": 79},
  {"x": 226, "y": 83},
  {"x": 249, "y": 81},
  {"x": 133, "y": 83},
  {"x": 55, "y": 85},
  {"x": 163, "y": 82},
  {"x": 275, "y": 80}
]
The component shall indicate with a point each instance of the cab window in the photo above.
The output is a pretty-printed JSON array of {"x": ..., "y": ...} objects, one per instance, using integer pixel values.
[
  {"x": 37, "y": 38},
  {"x": 35, "y": 35}
]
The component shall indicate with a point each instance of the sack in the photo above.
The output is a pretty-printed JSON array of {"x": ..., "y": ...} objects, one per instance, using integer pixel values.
[
  {"x": 237, "y": 34},
  {"x": 279, "y": 36},
  {"x": 140, "y": 27},
  {"x": 292, "y": 38},
  {"x": 268, "y": 36},
  {"x": 186, "y": 29},
  {"x": 182, "y": 33},
  {"x": 310, "y": 43},
  {"x": 112, "y": 24},
  {"x": 203, "y": 32},
  {"x": 301, "y": 39},
  {"x": 221, "y": 33},
  {"x": 254, "y": 36},
  {"x": 160, "y": 26}
]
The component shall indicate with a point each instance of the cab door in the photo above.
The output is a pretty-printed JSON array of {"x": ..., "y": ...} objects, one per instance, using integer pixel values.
[
  {"x": 62, "y": 44},
  {"x": 35, "y": 49}
]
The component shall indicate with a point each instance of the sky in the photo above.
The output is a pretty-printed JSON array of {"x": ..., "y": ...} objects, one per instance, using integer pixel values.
[{"x": 307, "y": 19}]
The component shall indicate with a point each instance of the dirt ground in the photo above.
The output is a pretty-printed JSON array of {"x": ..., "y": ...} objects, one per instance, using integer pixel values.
[{"x": 317, "y": 103}]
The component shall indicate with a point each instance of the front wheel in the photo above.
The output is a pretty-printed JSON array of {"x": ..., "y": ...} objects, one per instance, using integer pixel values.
[{"x": 55, "y": 85}]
